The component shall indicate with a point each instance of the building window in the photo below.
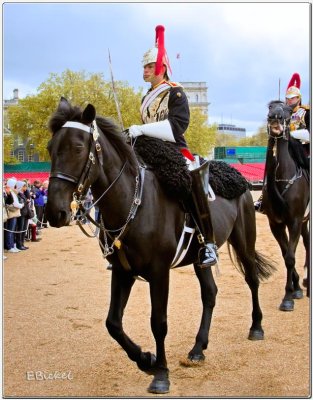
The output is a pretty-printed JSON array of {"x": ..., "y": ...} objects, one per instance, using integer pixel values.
[
  {"x": 30, "y": 157},
  {"x": 20, "y": 155},
  {"x": 197, "y": 98}
]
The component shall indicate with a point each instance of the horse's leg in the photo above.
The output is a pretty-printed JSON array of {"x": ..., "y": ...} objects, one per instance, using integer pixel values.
[
  {"x": 159, "y": 287},
  {"x": 288, "y": 252},
  {"x": 120, "y": 289},
  {"x": 208, "y": 297},
  {"x": 306, "y": 242},
  {"x": 242, "y": 240},
  {"x": 249, "y": 260}
]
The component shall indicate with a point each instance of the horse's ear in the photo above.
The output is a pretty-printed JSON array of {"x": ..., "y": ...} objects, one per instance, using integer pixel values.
[
  {"x": 89, "y": 114},
  {"x": 64, "y": 105}
]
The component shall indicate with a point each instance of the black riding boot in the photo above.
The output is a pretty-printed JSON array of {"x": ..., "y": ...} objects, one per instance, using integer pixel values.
[
  {"x": 258, "y": 204},
  {"x": 201, "y": 212}
]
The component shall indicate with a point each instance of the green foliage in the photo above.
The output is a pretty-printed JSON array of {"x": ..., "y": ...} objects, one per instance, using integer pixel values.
[
  {"x": 29, "y": 119},
  {"x": 224, "y": 139},
  {"x": 199, "y": 136},
  {"x": 8, "y": 145},
  {"x": 259, "y": 139}
]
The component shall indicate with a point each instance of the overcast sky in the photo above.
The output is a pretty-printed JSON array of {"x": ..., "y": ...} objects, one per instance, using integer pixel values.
[{"x": 241, "y": 50}]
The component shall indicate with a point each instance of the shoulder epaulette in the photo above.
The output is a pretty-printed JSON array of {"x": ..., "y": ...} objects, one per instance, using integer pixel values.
[
  {"x": 305, "y": 106},
  {"x": 174, "y": 84}
]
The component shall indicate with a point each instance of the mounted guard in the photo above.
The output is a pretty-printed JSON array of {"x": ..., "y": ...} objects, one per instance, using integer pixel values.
[
  {"x": 299, "y": 124},
  {"x": 165, "y": 115}
]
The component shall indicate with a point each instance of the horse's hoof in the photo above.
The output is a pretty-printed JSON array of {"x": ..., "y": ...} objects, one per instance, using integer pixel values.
[
  {"x": 297, "y": 294},
  {"x": 147, "y": 363},
  {"x": 196, "y": 357},
  {"x": 256, "y": 334},
  {"x": 159, "y": 386},
  {"x": 287, "y": 305}
]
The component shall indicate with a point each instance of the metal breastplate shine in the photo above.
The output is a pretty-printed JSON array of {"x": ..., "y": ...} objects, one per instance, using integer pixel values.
[
  {"x": 297, "y": 119},
  {"x": 158, "y": 109}
]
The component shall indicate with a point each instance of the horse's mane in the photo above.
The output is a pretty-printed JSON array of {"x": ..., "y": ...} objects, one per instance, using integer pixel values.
[
  {"x": 106, "y": 125},
  {"x": 297, "y": 153},
  {"x": 117, "y": 140}
]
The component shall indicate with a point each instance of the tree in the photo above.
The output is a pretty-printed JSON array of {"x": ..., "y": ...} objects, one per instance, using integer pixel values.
[
  {"x": 199, "y": 136},
  {"x": 225, "y": 139},
  {"x": 259, "y": 139},
  {"x": 29, "y": 118}
]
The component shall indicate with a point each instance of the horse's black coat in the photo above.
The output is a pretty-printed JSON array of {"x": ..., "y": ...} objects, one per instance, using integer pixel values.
[
  {"x": 151, "y": 238},
  {"x": 286, "y": 196}
]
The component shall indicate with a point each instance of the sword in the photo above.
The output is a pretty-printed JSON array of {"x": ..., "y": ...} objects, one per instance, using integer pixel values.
[{"x": 115, "y": 95}]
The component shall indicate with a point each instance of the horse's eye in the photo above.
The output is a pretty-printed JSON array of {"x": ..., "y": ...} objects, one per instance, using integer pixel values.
[{"x": 79, "y": 148}]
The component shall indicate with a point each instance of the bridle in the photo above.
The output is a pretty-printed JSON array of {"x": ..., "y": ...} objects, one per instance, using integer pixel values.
[
  {"x": 285, "y": 134},
  {"x": 94, "y": 153}
]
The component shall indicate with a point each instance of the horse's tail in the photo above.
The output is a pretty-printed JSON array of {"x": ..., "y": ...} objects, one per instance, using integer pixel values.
[{"x": 265, "y": 268}]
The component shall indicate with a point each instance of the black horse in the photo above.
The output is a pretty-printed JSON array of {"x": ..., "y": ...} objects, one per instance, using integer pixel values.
[
  {"x": 286, "y": 196},
  {"x": 140, "y": 229}
]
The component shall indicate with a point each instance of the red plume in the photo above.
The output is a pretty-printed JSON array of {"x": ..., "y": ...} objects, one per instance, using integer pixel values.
[
  {"x": 295, "y": 81},
  {"x": 162, "y": 56}
]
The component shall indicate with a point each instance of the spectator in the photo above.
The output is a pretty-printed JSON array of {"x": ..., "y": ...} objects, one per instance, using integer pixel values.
[
  {"x": 13, "y": 213},
  {"x": 22, "y": 220},
  {"x": 39, "y": 194},
  {"x": 45, "y": 199}
]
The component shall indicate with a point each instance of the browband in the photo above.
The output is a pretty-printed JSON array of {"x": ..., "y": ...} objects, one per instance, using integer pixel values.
[{"x": 77, "y": 125}]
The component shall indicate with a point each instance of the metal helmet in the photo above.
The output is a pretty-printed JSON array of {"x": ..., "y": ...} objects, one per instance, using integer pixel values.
[
  {"x": 158, "y": 53},
  {"x": 293, "y": 89}
]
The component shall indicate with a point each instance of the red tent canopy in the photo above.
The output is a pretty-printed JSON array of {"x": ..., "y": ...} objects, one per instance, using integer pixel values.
[
  {"x": 252, "y": 171},
  {"x": 30, "y": 176}
]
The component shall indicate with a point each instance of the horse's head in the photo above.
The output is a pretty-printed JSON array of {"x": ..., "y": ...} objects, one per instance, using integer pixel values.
[
  {"x": 72, "y": 152},
  {"x": 278, "y": 118}
]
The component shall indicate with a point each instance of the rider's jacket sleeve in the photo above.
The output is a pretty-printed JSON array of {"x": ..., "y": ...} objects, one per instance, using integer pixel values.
[
  {"x": 307, "y": 120},
  {"x": 178, "y": 114}
]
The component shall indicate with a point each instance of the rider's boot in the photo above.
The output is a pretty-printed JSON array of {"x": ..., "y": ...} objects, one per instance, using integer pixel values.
[
  {"x": 201, "y": 213},
  {"x": 258, "y": 204}
]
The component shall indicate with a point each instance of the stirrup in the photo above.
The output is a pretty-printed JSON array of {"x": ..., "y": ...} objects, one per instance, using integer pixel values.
[
  {"x": 208, "y": 255},
  {"x": 258, "y": 206}
]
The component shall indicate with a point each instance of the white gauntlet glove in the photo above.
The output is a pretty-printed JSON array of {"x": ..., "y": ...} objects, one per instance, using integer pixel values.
[
  {"x": 160, "y": 130},
  {"x": 301, "y": 134},
  {"x": 134, "y": 131}
]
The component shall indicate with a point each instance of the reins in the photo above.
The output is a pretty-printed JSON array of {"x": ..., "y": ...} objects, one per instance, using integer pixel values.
[
  {"x": 284, "y": 135},
  {"x": 78, "y": 195}
]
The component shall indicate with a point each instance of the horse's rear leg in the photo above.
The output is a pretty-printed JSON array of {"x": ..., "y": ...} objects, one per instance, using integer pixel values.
[
  {"x": 251, "y": 266},
  {"x": 288, "y": 248},
  {"x": 120, "y": 290},
  {"x": 208, "y": 297},
  {"x": 306, "y": 242}
]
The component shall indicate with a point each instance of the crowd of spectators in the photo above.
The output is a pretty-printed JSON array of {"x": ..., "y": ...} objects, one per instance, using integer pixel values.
[{"x": 23, "y": 213}]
